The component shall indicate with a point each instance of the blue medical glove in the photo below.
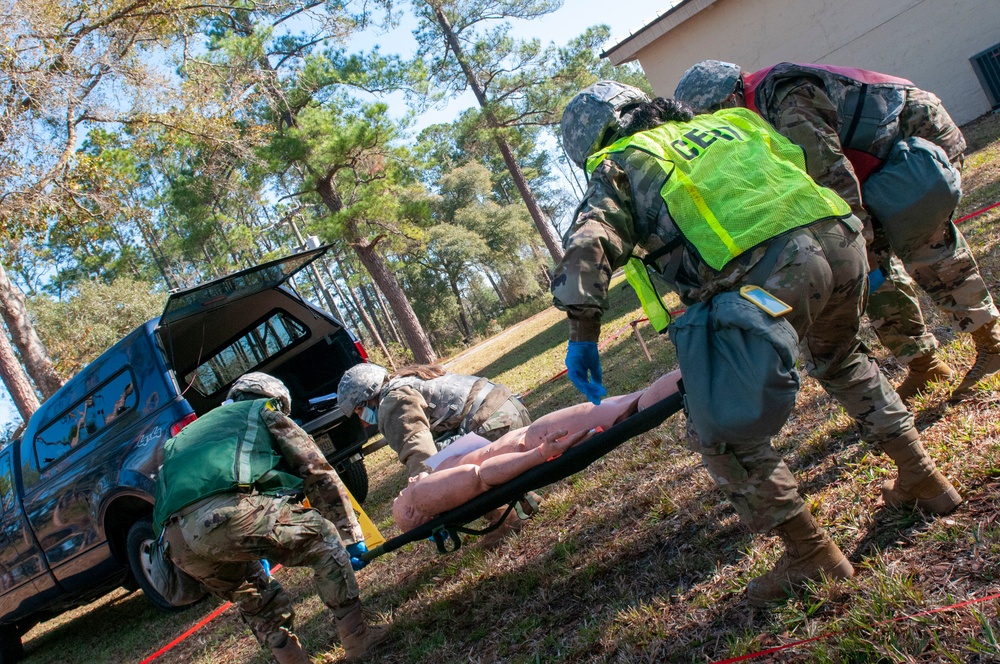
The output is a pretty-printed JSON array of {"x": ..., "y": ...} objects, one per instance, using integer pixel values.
[
  {"x": 875, "y": 280},
  {"x": 355, "y": 551},
  {"x": 583, "y": 365},
  {"x": 266, "y": 564}
]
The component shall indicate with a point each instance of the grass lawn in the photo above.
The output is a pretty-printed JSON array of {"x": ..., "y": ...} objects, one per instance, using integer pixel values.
[{"x": 639, "y": 558}]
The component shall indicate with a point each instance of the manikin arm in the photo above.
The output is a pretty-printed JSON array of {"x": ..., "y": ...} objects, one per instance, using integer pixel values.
[
  {"x": 513, "y": 454},
  {"x": 579, "y": 417},
  {"x": 429, "y": 495}
]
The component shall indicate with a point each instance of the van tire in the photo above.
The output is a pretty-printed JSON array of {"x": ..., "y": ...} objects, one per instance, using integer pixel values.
[
  {"x": 11, "y": 648},
  {"x": 139, "y": 535},
  {"x": 355, "y": 478}
]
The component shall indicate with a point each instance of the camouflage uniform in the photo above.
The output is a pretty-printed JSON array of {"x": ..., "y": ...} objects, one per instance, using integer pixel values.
[
  {"x": 221, "y": 539},
  {"x": 820, "y": 272},
  {"x": 403, "y": 419},
  {"x": 806, "y": 110}
]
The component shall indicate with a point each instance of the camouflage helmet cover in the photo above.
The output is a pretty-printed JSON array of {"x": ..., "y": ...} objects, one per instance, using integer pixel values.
[
  {"x": 707, "y": 84},
  {"x": 359, "y": 384},
  {"x": 594, "y": 111},
  {"x": 255, "y": 385}
]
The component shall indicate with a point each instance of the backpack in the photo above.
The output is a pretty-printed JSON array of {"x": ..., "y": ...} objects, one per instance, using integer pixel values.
[
  {"x": 738, "y": 368},
  {"x": 913, "y": 193}
]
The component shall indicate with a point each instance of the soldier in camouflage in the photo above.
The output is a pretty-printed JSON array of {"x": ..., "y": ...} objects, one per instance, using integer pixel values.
[
  {"x": 847, "y": 120},
  {"x": 644, "y": 187},
  {"x": 227, "y": 496},
  {"x": 421, "y": 408}
]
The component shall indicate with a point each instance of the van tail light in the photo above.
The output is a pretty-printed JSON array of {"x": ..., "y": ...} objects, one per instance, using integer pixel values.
[
  {"x": 176, "y": 427},
  {"x": 361, "y": 349}
]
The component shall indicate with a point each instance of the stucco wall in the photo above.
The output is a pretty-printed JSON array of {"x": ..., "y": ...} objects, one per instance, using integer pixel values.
[{"x": 927, "y": 41}]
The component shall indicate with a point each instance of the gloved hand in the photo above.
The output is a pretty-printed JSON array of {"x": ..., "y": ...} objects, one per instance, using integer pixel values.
[
  {"x": 355, "y": 551},
  {"x": 875, "y": 280},
  {"x": 583, "y": 364}
]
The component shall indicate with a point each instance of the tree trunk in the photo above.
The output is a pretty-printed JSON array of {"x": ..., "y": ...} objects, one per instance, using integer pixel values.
[
  {"x": 370, "y": 307},
  {"x": 365, "y": 319},
  {"x": 416, "y": 338},
  {"x": 33, "y": 354},
  {"x": 16, "y": 380},
  {"x": 393, "y": 330},
  {"x": 463, "y": 319},
  {"x": 496, "y": 289},
  {"x": 545, "y": 229}
]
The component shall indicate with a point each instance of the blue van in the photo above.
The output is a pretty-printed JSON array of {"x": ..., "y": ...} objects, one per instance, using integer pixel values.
[{"x": 76, "y": 489}]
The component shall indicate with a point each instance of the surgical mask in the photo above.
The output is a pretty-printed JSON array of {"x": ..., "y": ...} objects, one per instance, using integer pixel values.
[{"x": 369, "y": 415}]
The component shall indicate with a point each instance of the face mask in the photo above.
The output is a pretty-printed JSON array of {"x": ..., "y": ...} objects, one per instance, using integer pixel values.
[{"x": 369, "y": 415}]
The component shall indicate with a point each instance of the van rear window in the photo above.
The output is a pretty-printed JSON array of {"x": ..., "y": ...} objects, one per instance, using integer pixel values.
[{"x": 262, "y": 342}]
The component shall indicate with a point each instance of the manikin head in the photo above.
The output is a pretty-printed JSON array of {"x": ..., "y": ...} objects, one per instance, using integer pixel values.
[
  {"x": 711, "y": 85},
  {"x": 404, "y": 512}
]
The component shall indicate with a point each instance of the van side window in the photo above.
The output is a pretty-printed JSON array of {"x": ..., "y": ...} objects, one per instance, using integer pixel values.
[
  {"x": 248, "y": 351},
  {"x": 86, "y": 418},
  {"x": 6, "y": 483}
]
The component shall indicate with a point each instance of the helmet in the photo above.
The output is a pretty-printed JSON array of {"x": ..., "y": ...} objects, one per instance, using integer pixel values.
[
  {"x": 255, "y": 385},
  {"x": 707, "y": 84},
  {"x": 359, "y": 384},
  {"x": 596, "y": 116}
]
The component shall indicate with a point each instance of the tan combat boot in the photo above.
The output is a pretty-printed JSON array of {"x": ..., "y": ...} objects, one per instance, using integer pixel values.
[
  {"x": 809, "y": 555},
  {"x": 291, "y": 652},
  {"x": 987, "y": 339},
  {"x": 356, "y": 636},
  {"x": 919, "y": 481},
  {"x": 923, "y": 370}
]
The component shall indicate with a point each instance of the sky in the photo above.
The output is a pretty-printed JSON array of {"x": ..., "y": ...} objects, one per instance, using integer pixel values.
[{"x": 559, "y": 27}]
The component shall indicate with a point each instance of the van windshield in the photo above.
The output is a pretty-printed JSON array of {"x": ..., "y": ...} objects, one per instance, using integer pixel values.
[{"x": 247, "y": 352}]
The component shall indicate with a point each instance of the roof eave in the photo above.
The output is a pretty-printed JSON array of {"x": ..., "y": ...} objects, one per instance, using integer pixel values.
[{"x": 628, "y": 48}]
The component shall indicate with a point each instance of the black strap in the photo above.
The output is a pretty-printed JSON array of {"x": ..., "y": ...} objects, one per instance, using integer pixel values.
[
  {"x": 759, "y": 273},
  {"x": 846, "y": 141},
  {"x": 664, "y": 250}
]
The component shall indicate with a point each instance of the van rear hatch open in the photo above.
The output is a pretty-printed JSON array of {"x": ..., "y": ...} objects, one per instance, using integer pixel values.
[
  {"x": 205, "y": 297},
  {"x": 213, "y": 332}
]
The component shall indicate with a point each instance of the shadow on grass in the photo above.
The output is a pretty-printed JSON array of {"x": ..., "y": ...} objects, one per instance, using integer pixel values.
[
  {"x": 549, "y": 589},
  {"x": 124, "y": 628}
]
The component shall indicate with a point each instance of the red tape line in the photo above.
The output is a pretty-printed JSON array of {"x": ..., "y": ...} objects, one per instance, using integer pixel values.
[
  {"x": 940, "y": 609},
  {"x": 194, "y": 628},
  {"x": 977, "y": 212}
]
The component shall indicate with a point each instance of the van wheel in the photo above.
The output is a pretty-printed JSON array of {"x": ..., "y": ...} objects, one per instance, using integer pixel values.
[
  {"x": 140, "y": 536},
  {"x": 355, "y": 478},
  {"x": 11, "y": 649}
]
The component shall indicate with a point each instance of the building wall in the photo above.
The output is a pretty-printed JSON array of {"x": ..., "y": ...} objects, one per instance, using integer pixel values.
[{"x": 927, "y": 41}]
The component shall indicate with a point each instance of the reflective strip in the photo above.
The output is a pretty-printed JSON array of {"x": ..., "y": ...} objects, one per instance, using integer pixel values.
[
  {"x": 638, "y": 278},
  {"x": 706, "y": 213},
  {"x": 243, "y": 470}
]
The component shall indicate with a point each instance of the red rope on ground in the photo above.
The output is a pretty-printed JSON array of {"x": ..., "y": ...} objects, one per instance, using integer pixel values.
[
  {"x": 940, "y": 609},
  {"x": 977, "y": 212},
  {"x": 194, "y": 628}
]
